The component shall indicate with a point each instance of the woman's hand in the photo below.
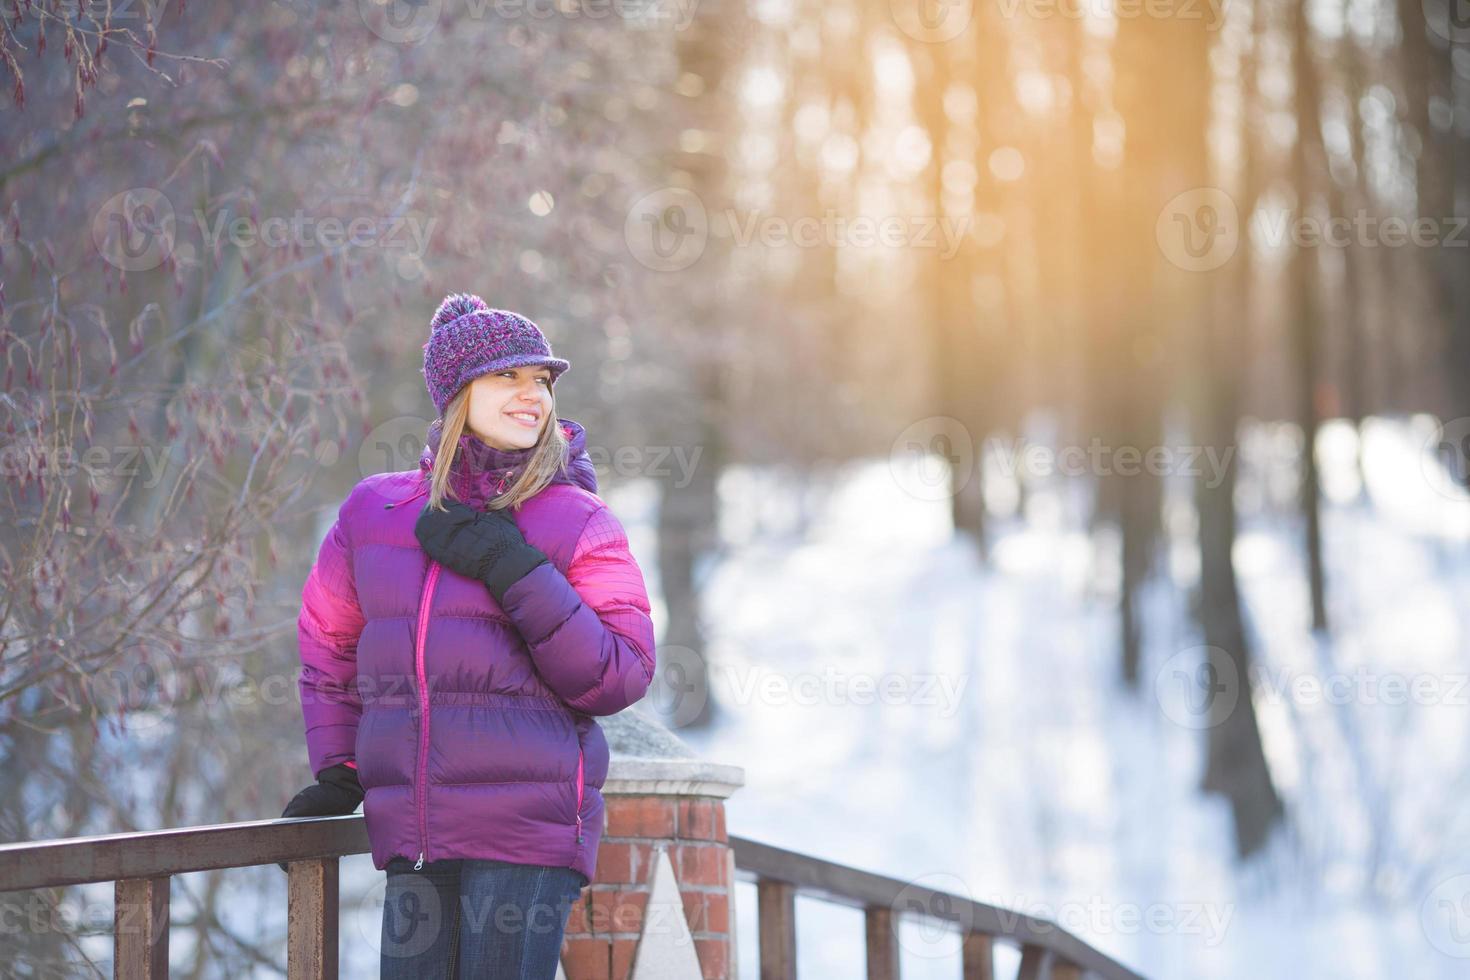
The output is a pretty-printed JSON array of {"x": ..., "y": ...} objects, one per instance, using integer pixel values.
[
  {"x": 336, "y": 793},
  {"x": 485, "y": 546}
]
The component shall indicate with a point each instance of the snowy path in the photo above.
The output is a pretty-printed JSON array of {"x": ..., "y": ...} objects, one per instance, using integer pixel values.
[{"x": 1008, "y": 765}]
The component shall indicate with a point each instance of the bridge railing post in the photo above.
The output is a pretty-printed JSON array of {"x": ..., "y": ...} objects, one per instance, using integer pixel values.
[
  {"x": 776, "y": 927},
  {"x": 140, "y": 929},
  {"x": 311, "y": 920},
  {"x": 879, "y": 925},
  {"x": 978, "y": 957}
]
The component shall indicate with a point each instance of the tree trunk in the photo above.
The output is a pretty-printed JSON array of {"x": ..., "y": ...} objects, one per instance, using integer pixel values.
[
  {"x": 1235, "y": 764},
  {"x": 1306, "y": 320},
  {"x": 688, "y": 515}
]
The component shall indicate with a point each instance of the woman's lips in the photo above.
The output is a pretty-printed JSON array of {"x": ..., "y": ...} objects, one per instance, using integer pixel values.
[{"x": 519, "y": 420}]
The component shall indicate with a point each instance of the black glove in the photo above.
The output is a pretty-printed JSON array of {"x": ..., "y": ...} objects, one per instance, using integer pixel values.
[
  {"x": 485, "y": 546},
  {"x": 336, "y": 793}
]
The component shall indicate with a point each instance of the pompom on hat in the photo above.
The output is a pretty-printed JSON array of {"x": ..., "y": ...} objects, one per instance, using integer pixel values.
[{"x": 467, "y": 339}]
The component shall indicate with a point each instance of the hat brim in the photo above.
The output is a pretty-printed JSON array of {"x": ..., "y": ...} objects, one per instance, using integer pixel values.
[{"x": 556, "y": 364}]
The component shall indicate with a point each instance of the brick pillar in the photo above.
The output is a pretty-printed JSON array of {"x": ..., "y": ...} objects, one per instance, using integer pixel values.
[{"x": 661, "y": 904}]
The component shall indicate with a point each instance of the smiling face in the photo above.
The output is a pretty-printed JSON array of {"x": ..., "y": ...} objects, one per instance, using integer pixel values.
[{"x": 509, "y": 407}]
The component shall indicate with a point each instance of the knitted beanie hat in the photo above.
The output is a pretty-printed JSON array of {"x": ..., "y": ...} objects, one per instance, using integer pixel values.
[{"x": 467, "y": 339}]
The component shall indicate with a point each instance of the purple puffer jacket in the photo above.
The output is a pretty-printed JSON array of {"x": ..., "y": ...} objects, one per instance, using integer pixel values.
[{"x": 508, "y": 761}]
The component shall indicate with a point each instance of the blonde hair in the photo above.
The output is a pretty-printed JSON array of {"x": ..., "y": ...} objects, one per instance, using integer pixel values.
[{"x": 548, "y": 456}]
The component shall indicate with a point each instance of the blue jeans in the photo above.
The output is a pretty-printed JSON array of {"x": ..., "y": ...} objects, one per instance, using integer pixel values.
[{"x": 467, "y": 919}]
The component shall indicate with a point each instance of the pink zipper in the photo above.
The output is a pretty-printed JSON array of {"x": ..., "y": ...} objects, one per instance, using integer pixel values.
[
  {"x": 579, "y": 792},
  {"x": 422, "y": 770}
]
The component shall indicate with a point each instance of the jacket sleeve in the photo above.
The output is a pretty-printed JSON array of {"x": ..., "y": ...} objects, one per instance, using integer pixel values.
[
  {"x": 327, "y": 632},
  {"x": 589, "y": 631}
]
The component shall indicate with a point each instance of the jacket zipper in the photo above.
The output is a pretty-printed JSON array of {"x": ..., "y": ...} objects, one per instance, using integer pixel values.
[
  {"x": 500, "y": 488},
  {"x": 579, "y": 792},
  {"x": 421, "y": 771}
]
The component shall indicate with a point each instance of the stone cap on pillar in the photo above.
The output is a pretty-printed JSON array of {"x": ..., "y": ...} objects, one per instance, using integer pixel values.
[{"x": 648, "y": 759}]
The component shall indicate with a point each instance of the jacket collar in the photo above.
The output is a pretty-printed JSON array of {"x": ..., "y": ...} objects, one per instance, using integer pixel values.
[{"x": 482, "y": 472}]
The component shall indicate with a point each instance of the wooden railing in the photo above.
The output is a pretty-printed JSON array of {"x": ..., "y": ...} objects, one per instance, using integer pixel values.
[
  {"x": 141, "y": 864},
  {"x": 1048, "y": 952}
]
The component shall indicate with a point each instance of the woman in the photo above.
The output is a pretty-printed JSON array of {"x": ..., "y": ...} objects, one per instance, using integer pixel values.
[{"x": 503, "y": 616}]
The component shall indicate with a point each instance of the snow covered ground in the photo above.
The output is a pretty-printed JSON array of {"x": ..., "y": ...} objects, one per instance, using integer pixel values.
[{"x": 900, "y": 707}]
